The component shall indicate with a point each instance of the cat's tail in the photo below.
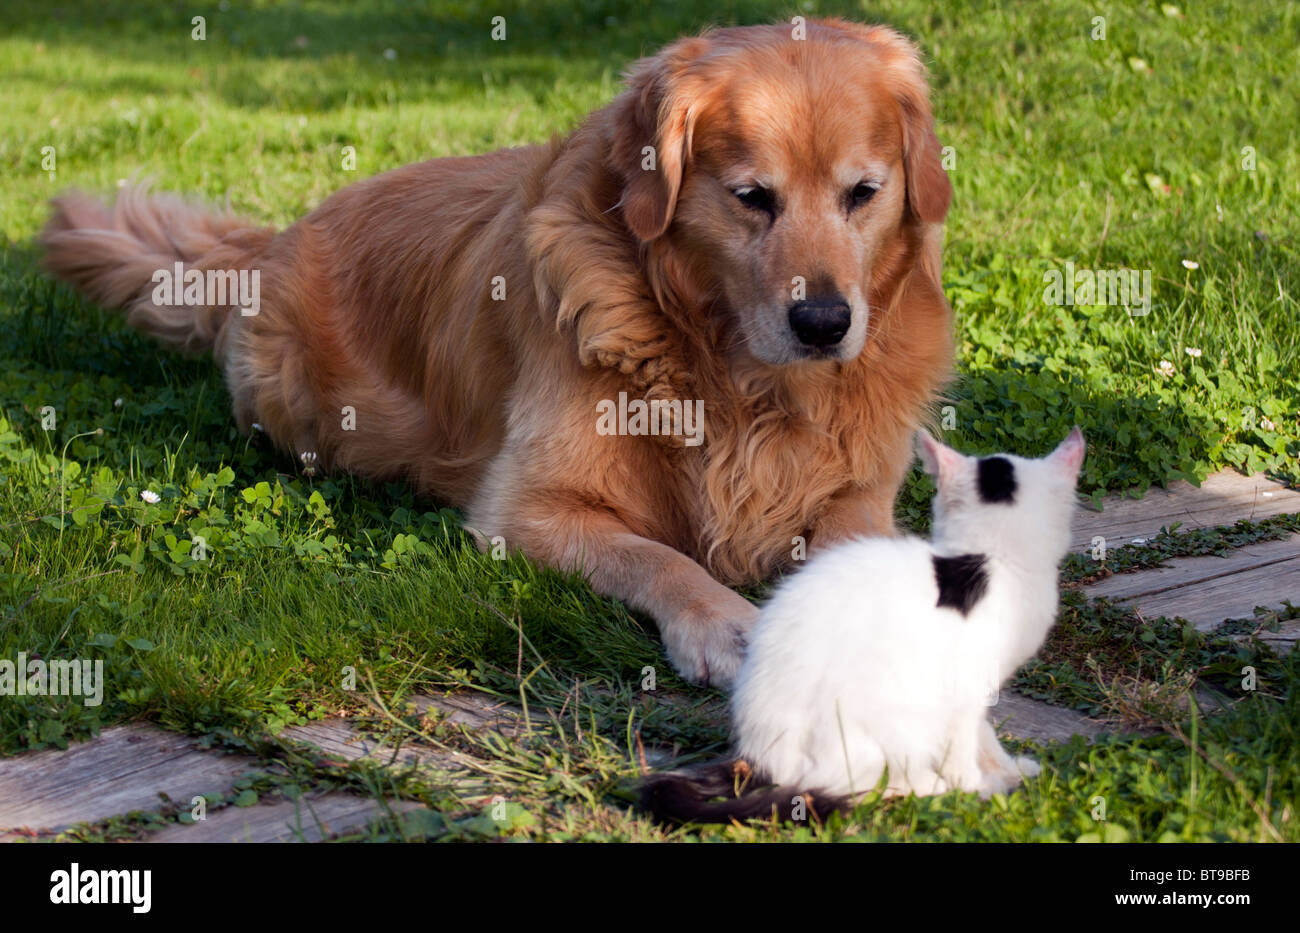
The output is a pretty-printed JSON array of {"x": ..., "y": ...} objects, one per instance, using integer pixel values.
[
  {"x": 117, "y": 255},
  {"x": 729, "y": 790}
]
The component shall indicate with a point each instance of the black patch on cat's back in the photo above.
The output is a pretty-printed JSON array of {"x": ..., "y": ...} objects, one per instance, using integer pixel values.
[
  {"x": 962, "y": 580},
  {"x": 997, "y": 480}
]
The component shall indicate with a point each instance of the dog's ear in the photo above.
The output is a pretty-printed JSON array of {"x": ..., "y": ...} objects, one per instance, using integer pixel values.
[
  {"x": 650, "y": 138},
  {"x": 929, "y": 191}
]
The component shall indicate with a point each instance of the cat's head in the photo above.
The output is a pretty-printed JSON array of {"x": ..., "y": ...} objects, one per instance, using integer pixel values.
[{"x": 1004, "y": 502}]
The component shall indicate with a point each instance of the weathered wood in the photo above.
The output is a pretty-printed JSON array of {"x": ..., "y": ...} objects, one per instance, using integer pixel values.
[
  {"x": 1224, "y": 498},
  {"x": 1284, "y": 639},
  {"x": 138, "y": 767},
  {"x": 1208, "y": 590},
  {"x": 473, "y": 710},
  {"x": 1020, "y": 717},
  {"x": 341, "y": 739},
  {"x": 1184, "y": 571},
  {"x": 308, "y": 819},
  {"x": 125, "y": 768}
]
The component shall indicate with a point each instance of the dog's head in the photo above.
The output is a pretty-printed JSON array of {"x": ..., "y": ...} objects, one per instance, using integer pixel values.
[{"x": 790, "y": 161}]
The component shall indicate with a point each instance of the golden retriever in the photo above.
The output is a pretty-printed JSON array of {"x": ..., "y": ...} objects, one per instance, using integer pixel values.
[{"x": 750, "y": 230}]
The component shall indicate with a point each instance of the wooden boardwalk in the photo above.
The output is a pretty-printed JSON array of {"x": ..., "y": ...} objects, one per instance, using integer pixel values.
[
  {"x": 1222, "y": 499},
  {"x": 137, "y": 767},
  {"x": 1209, "y": 590},
  {"x": 1204, "y": 590},
  {"x": 308, "y": 819},
  {"x": 125, "y": 768}
]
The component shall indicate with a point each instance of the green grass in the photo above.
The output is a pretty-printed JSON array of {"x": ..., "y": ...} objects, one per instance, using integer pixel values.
[{"x": 1122, "y": 153}]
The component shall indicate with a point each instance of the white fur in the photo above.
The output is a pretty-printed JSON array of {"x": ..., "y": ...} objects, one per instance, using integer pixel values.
[{"x": 854, "y": 669}]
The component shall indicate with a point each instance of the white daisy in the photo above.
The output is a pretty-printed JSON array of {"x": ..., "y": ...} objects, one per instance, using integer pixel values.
[{"x": 150, "y": 496}]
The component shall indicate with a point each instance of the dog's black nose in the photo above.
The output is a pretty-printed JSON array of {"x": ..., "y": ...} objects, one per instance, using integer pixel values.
[{"x": 820, "y": 322}]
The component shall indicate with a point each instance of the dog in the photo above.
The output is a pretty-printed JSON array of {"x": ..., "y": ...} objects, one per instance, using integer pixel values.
[{"x": 751, "y": 229}]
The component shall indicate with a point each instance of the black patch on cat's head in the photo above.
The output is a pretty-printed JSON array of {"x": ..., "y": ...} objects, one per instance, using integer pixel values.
[
  {"x": 997, "y": 480},
  {"x": 962, "y": 580}
]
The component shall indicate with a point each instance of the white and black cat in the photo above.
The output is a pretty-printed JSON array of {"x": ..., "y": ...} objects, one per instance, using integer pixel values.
[{"x": 881, "y": 655}]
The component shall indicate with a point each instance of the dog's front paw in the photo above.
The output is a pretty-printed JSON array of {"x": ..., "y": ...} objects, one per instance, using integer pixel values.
[{"x": 707, "y": 648}]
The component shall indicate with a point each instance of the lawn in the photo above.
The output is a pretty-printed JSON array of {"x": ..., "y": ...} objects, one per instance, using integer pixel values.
[{"x": 1167, "y": 147}]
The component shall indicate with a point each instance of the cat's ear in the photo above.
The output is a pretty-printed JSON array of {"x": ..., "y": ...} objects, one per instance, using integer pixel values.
[
  {"x": 1069, "y": 453},
  {"x": 936, "y": 459}
]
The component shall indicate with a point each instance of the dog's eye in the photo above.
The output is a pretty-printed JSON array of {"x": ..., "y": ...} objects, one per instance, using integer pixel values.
[
  {"x": 754, "y": 197},
  {"x": 863, "y": 192}
]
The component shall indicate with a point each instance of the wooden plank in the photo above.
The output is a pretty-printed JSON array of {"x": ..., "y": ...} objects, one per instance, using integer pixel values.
[
  {"x": 1184, "y": 571},
  {"x": 1284, "y": 639},
  {"x": 344, "y": 739},
  {"x": 127, "y": 767},
  {"x": 473, "y": 710},
  {"x": 303, "y": 820},
  {"x": 341, "y": 739},
  {"x": 1020, "y": 717},
  {"x": 1208, "y": 590},
  {"x": 124, "y": 768},
  {"x": 1224, "y": 498},
  {"x": 1207, "y": 605}
]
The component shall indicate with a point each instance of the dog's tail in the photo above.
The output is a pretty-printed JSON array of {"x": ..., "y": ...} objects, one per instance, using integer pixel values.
[
  {"x": 127, "y": 256},
  {"x": 729, "y": 790}
]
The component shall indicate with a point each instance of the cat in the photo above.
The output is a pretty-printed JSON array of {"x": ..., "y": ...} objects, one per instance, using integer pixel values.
[{"x": 878, "y": 659}]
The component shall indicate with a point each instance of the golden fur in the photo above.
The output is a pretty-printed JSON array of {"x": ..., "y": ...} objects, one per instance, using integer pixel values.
[{"x": 658, "y": 283}]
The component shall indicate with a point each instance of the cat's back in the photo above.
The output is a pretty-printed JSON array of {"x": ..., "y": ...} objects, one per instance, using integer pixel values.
[
  {"x": 844, "y": 650},
  {"x": 855, "y": 592},
  {"x": 856, "y": 577}
]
